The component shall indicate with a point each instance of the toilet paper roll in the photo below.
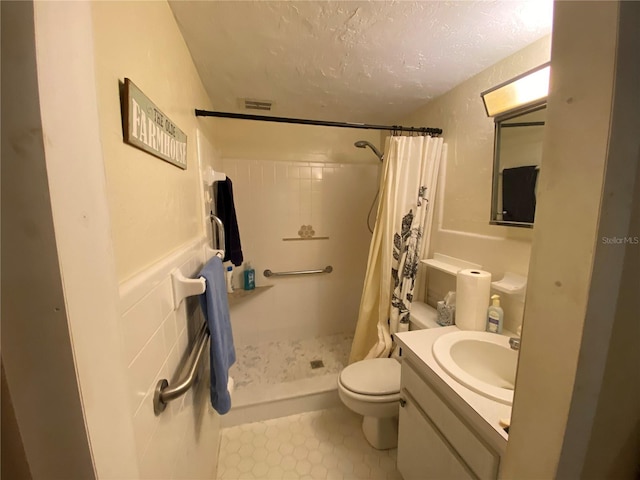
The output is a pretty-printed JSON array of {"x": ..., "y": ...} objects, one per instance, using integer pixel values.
[{"x": 473, "y": 288}]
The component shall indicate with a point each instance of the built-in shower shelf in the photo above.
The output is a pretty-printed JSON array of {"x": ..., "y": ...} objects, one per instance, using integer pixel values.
[
  {"x": 238, "y": 295},
  {"x": 291, "y": 239},
  {"x": 448, "y": 264}
]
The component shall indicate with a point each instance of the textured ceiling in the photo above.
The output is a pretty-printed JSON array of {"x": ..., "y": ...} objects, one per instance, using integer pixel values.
[{"x": 371, "y": 62}]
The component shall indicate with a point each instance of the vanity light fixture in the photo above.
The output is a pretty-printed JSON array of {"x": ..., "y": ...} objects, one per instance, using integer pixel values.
[{"x": 522, "y": 91}]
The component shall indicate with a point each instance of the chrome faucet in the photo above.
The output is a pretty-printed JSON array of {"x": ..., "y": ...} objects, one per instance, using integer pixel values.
[{"x": 514, "y": 343}]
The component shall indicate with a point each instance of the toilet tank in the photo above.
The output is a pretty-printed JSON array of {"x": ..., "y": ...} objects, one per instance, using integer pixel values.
[{"x": 422, "y": 316}]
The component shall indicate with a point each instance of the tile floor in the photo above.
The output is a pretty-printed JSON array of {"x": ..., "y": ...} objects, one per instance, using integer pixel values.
[
  {"x": 326, "y": 444},
  {"x": 271, "y": 363}
]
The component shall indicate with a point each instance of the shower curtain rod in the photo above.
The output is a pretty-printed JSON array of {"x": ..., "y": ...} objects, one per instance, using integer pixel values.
[{"x": 324, "y": 123}]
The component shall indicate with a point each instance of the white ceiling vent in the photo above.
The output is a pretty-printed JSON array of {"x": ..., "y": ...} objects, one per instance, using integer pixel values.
[{"x": 253, "y": 104}]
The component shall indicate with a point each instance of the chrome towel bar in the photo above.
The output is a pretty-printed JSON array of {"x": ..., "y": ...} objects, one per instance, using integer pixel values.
[
  {"x": 219, "y": 228},
  {"x": 269, "y": 273},
  {"x": 165, "y": 393}
]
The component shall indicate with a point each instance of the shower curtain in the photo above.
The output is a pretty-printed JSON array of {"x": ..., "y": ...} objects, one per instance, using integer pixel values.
[{"x": 400, "y": 239}]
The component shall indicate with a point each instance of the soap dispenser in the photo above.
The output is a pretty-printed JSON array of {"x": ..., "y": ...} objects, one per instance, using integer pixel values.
[
  {"x": 249, "y": 277},
  {"x": 495, "y": 316}
]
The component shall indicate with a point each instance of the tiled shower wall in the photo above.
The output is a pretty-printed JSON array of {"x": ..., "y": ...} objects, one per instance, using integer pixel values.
[{"x": 273, "y": 200}]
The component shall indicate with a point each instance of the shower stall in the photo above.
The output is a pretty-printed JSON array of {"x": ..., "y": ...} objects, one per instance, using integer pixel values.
[{"x": 293, "y": 333}]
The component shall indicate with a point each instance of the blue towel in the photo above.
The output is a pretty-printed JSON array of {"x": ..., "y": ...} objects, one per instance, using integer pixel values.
[{"x": 222, "y": 352}]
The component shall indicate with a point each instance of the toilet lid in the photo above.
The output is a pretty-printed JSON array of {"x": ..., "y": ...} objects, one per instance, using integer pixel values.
[{"x": 376, "y": 376}]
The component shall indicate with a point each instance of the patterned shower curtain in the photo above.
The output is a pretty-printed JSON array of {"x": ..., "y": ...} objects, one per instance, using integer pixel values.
[{"x": 400, "y": 239}]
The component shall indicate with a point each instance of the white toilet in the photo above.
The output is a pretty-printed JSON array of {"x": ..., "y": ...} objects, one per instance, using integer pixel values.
[{"x": 371, "y": 387}]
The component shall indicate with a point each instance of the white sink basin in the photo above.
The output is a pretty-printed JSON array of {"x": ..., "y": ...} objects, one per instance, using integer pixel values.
[{"x": 481, "y": 361}]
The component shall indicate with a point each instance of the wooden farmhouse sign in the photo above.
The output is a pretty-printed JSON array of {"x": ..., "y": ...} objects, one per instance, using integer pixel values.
[{"x": 147, "y": 128}]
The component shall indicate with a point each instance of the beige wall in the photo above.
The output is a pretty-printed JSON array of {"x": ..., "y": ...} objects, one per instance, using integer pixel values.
[
  {"x": 461, "y": 224},
  {"x": 36, "y": 344},
  {"x": 61, "y": 225},
  {"x": 155, "y": 206},
  {"x": 157, "y": 216},
  {"x": 469, "y": 134},
  {"x": 573, "y": 416},
  {"x": 609, "y": 454},
  {"x": 247, "y": 139},
  {"x": 602, "y": 437},
  {"x": 59, "y": 291},
  {"x": 14, "y": 460}
]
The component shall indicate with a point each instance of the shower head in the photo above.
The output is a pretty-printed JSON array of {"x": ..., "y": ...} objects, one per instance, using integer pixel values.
[{"x": 364, "y": 143}]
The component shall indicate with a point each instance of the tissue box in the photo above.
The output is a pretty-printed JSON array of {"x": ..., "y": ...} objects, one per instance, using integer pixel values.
[{"x": 446, "y": 314}]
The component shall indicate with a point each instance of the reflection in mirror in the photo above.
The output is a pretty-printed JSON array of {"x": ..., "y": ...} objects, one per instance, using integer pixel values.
[{"x": 517, "y": 157}]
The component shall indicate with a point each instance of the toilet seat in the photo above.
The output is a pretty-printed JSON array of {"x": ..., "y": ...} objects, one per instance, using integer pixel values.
[
  {"x": 372, "y": 399},
  {"x": 375, "y": 377}
]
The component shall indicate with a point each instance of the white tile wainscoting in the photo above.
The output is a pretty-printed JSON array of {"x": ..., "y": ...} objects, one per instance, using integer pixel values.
[{"x": 156, "y": 336}]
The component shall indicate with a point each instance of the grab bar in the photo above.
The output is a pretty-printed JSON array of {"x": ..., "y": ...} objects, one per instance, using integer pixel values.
[
  {"x": 220, "y": 230},
  {"x": 269, "y": 273},
  {"x": 164, "y": 393}
]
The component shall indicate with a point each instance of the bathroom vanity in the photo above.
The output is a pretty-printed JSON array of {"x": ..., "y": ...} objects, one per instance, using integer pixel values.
[{"x": 446, "y": 430}]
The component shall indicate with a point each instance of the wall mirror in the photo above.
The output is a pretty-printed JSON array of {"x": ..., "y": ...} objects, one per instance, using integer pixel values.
[
  {"x": 516, "y": 164},
  {"x": 519, "y": 108}
]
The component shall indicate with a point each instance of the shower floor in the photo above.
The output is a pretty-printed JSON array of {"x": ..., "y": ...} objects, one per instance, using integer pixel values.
[
  {"x": 272, "y": 363},
  {"x": 274, "y": 379}
]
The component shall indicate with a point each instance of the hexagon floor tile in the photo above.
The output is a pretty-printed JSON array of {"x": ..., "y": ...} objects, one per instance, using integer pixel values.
[{"x": 323, "y": 445}]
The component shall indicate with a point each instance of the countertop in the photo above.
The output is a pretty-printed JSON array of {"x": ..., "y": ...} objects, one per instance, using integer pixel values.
[{"x": 482, "y": 412}]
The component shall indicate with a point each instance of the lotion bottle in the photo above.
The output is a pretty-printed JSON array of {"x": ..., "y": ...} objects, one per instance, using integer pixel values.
[
  {"x": 229, "y": 278},
  {"x": 495, "y": 316}
]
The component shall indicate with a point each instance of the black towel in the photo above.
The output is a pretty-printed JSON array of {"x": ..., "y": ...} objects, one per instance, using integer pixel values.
[
  {"x": 226, "y": 211},
  {"x": 519, "y": 193}
]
